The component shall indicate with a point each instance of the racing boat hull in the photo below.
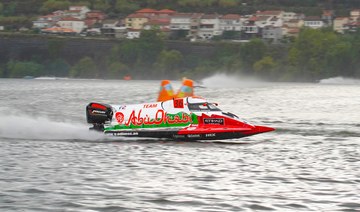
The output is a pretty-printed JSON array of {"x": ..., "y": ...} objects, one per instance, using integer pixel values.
[
  {"x": 189, "y": 118},
  {"x": 191, "y": 135}
]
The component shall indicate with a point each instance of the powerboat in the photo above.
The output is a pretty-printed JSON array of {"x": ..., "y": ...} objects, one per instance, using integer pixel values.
[{"x": 188, "y": 118}]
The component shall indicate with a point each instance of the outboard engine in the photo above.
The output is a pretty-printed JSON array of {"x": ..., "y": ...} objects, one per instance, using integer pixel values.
[{"x": 98, "y": 114}]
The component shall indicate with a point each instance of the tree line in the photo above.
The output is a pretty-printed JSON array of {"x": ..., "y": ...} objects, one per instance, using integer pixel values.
[
  {"x": 123, "y": 7},
  {"x": 314, "y": 55}
]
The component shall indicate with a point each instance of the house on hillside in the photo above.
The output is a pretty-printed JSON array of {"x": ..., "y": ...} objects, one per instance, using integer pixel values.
[
  {"x": 77, "y": 12},
  {"x": 314, "y": 22},
  {"x": 133, "y": 33},
  {"x": 328, "y": 17},
  {"x": 45, "y": 21},
  {"x": 74, "y": 24},
  {"x": 249, "y": 29},
  {"x": 340, "y": 24},
  {"x": 352, "y": 27},
  {"x": 161, "y": 24},
  {"x": 292, "y": 27},
  {"x": 263, "y": 21},
  {"x": 195, "y": 26},
  {"x": 209, "y": 26},
  {"x": 180, "y": 21},
  {"x": 165, "y": 13},
  {"x": 147, "y": 12},
  {"x": 156, "y": 14},
  {"x": 272, "y": 33},
  {"x": 113, "y": 28},
  {"x": 354, "y": 15},
  {"x": 230, "y": 22},
  {"x": 272, "y": 13},
  {"x": 136, "y": 21},
  {"x": 96, "y": 15},
  {"x": 287, "y": 16}
]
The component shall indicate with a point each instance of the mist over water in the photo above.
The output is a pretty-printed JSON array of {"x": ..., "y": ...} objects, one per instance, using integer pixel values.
[{"x": 51, "y": 162}]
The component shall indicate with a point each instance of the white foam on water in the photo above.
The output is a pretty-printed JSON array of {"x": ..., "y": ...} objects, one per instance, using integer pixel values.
[
  {"x": 42, "y": 128},
  {"x": 340, "y": 80}
]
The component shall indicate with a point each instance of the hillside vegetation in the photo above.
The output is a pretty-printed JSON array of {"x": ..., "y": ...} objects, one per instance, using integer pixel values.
[{"x": 314, "y": 55}]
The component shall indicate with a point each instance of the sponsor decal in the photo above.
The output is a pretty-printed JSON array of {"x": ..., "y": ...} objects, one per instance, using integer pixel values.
[
  {"x": 179, "y": 136},
  {"x": 210, "y": 135},
  {"x": 178, "y": 103},
  {"x": 125, "y": 133},
  {"x": 161, "y": 117},
  {"x": 150, "y": 105},
  {"x": 214, "y": 121},
  {"x": 194, "y": 136},
  {"x": 119, "y": 117},
  {"x": 97, "y": 112}
]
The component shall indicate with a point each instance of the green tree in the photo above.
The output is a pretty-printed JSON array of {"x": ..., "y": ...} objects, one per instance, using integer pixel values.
[
  {"x": 19, "y": 69},
  {"x": 139, "y": 54},
  {"x": 15, "y": 22},
  {"x": 126, "y": 6},
  {"x": 58, "y": 67},
  {"x": 1, "y": 8},
  {"x": 10, "y": 9},
  {"x": 53, "y": 5},
  {"x": 168, "y": 63},
  {"x": 127, "y": 51},
  {"x": 117, "y": 70},
  {"x": 55, "y": 47},
  {"x": 85, "y": 68},
  {"x": 228, "y": 3},
  {"x": 197, "y": 3},
  {"x": 228, "y": 58},
  {"x": 2, "y": 72},
  {"x": 251, "y": 52},
  {"x": 308, "y": 53},
  {"x": 265, "y": 67},
  {"x": 102, "y": 5},
  {"x": 339, "y": 60},
  {"x": 151, "y": 43}
]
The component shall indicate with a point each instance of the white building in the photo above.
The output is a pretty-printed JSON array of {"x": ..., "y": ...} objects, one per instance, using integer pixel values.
[
  {"x": 132, "y": 34},
  {"x": 272, "y": 33},
  {"x": 314, "y": 22},
  {"x": 355, "y": 14},
  {"x": 72, "y": 23},
  {"x": 230, "y": 22},
  {"x": 340, "y": 24},
  {"x": 77, "y": 12},
  {"x": 287, "y": 16},
  {"x": 209, "y": 26},
  {"x": 180, "y": 21}
]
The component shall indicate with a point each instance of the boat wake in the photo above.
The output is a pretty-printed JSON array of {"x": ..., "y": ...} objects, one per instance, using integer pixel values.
[
  {"x": 42, "y": 128},
  {"x": 222, "y": 80},
  {"x": 340, "y": 81}
]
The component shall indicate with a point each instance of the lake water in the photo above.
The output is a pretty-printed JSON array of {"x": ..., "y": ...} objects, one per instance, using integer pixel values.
[{"x": 51, "y": 162}]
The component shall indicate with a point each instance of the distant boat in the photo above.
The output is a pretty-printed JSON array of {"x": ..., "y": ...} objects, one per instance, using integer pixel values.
[
  {"x": 46, "y": 78},
  {"x": 127, "y": 77}
]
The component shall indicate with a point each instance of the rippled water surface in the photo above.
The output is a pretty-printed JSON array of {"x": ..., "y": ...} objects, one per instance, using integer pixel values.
[{"x": 51, "y": 162}]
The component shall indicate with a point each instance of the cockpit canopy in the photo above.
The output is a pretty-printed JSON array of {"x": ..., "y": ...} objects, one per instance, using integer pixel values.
[{"x": 206, "y": 106}]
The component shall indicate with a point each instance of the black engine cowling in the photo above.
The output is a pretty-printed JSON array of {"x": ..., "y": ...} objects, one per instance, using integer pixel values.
[{"x": 98, "y": 114}]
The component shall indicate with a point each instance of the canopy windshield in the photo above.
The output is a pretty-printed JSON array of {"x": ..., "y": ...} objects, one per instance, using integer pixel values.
[{"x": 203, "y": 107}]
